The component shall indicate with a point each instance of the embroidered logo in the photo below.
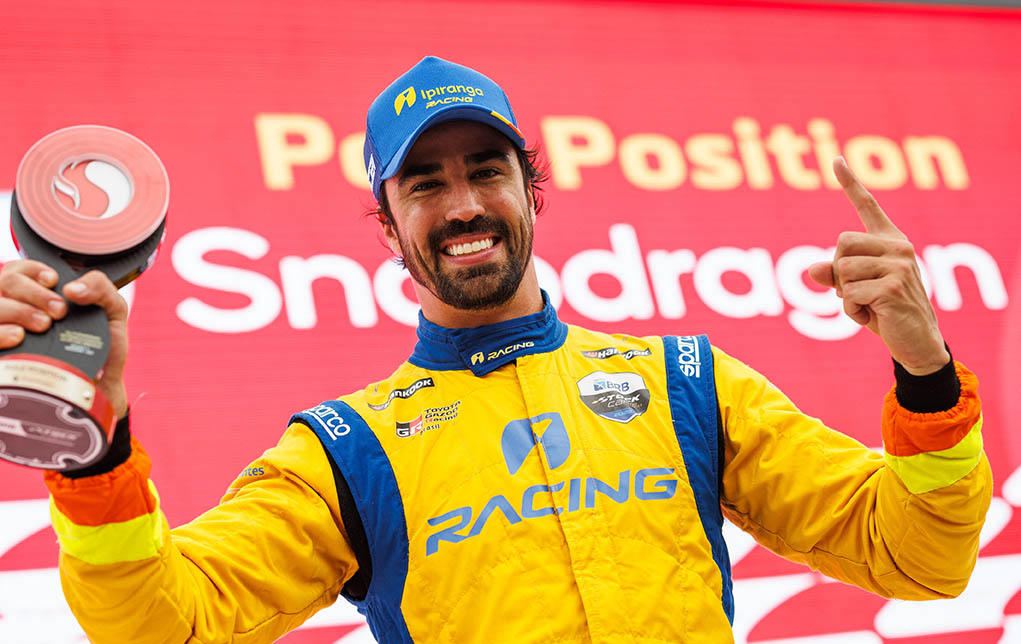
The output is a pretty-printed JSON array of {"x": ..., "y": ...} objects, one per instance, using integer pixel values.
[
  {"x": 521, "y": 436},
  {"x": 619, "y": 397},
  {"x": 602, "y": 354},
  {"x": 407, "y": 392}
]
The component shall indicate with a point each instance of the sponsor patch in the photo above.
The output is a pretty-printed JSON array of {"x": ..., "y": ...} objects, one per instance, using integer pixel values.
[
  {"x": 330, "y": 420},
  {"x": 480, "y": 357},
  {"x": 688, "y": 358},
  {"x": 602, "y": 354},
  {"x": 432, "y": 418},
  {"x": 407, "y": 392},
  {"x": 409, "y": 428},
  {"x": 618, "y": 397}
]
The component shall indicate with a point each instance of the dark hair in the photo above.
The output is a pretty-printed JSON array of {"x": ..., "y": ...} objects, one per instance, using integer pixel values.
[{"x": 534, "y": 169}]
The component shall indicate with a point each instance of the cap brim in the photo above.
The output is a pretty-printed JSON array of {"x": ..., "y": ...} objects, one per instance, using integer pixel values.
[{"x": 460, "y": 112}]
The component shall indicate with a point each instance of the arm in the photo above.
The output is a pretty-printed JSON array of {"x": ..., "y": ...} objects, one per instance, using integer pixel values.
[
  {"x": 818, "y": 497},
  {"x": 904, "y": 524},
  {"x": 270, "y": 555}
]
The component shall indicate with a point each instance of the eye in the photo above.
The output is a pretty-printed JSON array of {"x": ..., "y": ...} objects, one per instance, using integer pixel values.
[
  {"x": 424, "y": 185},
  {"x": 485, "y": 173}
]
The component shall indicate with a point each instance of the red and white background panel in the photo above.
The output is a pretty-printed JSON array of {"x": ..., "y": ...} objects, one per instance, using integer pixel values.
[{"x": 689, "y": 146}]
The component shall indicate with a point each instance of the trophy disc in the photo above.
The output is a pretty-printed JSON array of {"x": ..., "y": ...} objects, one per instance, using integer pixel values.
[
  {"x": 86, "y": 198},
  {"x": 92, "y": 190}
]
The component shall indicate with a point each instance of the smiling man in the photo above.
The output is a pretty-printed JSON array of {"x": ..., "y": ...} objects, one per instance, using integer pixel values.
[
  {"x": 518, "y": 479},
  {"x": 465, "y": 232}
]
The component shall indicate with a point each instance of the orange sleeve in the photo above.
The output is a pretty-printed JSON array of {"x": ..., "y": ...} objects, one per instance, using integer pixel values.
[
  {"x": 816, "y": 496},
  {"x": 270, "y": 555}
]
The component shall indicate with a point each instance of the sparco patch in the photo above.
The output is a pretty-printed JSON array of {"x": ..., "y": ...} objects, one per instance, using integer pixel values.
[
  {"x": 407, "y": 392},
  {"x": 602, "y": 354},
  {"x": 615, "y": 396},
  {"x": 688, "y": 358}
]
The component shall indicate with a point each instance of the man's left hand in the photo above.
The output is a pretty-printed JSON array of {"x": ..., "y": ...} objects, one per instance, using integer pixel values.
[{"x": 876, "y": 275}]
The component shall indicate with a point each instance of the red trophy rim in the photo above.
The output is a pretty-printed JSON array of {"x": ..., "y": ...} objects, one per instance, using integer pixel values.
[
  {"x": 100, "y": 411},
  {"x": 60, "y": 226}
]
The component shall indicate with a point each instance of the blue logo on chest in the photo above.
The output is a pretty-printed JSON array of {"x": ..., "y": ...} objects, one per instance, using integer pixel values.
[{"x": 518, "y": 440}]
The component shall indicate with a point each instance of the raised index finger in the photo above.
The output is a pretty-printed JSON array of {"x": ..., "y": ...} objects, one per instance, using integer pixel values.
[{"x": 871, "y": 215}]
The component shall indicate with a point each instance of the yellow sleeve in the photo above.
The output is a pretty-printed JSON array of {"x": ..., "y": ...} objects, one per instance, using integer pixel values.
[
  {"x": 260, "y": 563},
  {"x": 905, "y": 524}
]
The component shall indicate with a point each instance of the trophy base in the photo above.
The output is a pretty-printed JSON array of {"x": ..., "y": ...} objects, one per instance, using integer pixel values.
[{"x": 51, "y": 416}]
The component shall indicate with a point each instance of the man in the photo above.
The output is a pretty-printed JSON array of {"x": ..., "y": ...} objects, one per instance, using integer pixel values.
[{"x": 517, "y": 479}]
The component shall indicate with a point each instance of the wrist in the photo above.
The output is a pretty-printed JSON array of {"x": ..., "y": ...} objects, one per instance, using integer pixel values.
[
  {"x": 937, "y": 361},
  {"x": 118, "y": 452},
  {"x": 934, "y": 391},
  {"x": 118, "y": 397}
]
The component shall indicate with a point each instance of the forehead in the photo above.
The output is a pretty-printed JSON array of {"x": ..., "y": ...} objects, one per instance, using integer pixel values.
[{"x": 455, "y": 139}]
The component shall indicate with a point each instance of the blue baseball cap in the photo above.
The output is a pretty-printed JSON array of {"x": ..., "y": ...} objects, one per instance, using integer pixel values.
[{"x": 433, "y": 91}]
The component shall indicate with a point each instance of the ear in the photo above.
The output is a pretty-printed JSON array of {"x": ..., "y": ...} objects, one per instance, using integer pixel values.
[{"x": 390, "y": 235}]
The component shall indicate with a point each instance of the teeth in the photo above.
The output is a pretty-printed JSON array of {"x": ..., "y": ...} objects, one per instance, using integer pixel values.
[{"x": 470, "y": 247}]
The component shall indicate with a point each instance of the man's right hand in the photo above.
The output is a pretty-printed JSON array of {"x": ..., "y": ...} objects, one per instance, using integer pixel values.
[{"x": 29, "y": 303}]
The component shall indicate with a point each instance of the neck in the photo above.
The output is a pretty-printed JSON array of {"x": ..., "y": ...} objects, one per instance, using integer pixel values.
[{"x": 525, "y": 301}]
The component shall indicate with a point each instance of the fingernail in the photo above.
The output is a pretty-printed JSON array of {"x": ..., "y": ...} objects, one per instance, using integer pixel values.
[
  {"x": 40, "y": 320},
  {"x": 48, "y": 276},
  {"x": 76, "y": 288},
  {"x": 14, "y": 333},
  {"x": 56, "y": 307}
]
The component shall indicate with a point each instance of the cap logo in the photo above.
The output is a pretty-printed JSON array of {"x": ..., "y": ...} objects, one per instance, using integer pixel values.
[
  {"x": 371, "y": 170},
  {"x": 407, "y": 97}
]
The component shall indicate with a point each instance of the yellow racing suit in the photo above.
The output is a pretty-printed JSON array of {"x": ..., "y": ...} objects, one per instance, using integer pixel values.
[{"x": 531, "y": 481}]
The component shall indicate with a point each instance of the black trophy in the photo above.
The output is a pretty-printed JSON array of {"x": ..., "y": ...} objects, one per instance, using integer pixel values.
[{"x": 86, "y": 197}]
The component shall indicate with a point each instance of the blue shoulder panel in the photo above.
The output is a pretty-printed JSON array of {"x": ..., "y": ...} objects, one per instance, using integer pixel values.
[
  {"x": 692, "y": 390},
  {"x": 367, "y": 470}
]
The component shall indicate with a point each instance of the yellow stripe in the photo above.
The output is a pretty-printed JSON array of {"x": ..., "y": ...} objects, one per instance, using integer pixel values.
[
  {"x": 932, "y": 470},
  {"x": 132, "y": 540},
  {"x": 507, "y": 121}
]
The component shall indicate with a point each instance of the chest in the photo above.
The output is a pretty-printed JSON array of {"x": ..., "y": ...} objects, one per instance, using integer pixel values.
[{"x": 535, "y": 449}]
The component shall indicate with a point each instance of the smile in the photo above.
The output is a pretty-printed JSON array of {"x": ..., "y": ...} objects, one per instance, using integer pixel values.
[{"x": 469, "y": 248}]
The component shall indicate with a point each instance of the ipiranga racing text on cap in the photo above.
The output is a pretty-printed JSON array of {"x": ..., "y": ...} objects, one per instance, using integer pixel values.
[{"x": 433, "y": 91}]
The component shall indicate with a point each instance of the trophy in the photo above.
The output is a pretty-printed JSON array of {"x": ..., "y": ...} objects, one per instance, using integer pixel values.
[{"x": 86, "y": 198}]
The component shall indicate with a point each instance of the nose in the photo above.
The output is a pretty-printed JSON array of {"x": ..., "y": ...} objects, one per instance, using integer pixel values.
[{"x": 464, "y": 202}]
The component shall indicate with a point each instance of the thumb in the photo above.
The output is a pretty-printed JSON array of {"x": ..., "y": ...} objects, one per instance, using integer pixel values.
[{"x": 822, "y": 273}]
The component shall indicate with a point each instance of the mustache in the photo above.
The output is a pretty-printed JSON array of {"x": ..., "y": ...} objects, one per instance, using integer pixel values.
[{"x": 480, "y": 224}]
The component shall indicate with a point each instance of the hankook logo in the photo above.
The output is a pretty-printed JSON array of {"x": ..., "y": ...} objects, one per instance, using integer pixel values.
[
  {"x": 602, "y": 354},
  {"x": 407, "y": 392}
]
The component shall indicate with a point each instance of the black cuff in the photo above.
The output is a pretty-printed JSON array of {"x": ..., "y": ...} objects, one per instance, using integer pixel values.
[
  {"x": 120, "y": 450},
  {"x": 930, "y": 393}
]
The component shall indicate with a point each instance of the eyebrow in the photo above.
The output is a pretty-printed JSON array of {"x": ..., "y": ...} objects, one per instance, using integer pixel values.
[
  {"x": 419, "y": 170},
  {"x": 475, "y": 158},
  {"x": 486, "y": 155}
]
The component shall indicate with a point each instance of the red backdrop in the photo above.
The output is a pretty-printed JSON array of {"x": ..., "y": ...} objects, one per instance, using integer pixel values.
[{"x": 688, "y": 146}]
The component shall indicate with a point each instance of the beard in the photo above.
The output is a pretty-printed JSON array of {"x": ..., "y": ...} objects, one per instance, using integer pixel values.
[{"x": 473, "y": 288}]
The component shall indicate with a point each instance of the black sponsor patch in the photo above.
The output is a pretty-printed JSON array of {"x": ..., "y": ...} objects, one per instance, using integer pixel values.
[
  {"x": 602, "y": 354},
  {"x": 618, "y": 397},
  {"x": 407, "y": 392}
]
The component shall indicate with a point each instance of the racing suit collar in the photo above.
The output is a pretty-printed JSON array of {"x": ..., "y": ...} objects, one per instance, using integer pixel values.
[{"x": 482, "y": 349}]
